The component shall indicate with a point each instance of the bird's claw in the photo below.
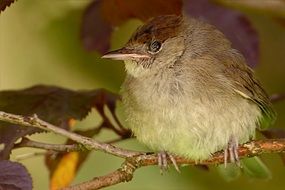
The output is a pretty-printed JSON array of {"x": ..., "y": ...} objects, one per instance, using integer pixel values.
[
  {"x": 231, "y": 152},
  {"x": 163, "y": 163}
]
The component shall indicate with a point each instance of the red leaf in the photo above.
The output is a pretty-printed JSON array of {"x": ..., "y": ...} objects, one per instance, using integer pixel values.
[
  {"x": 52, "y": 104},
  {"x": 95, "y": 31},
  {"x": 101, "y": 15},
  {"x": 14, "y": 176},
  {"x": 118, "y": 11},
  {"x": 274, "y": 133},
  {"x": 232, "y": 23},
  {"x": 5, "y": 3}
]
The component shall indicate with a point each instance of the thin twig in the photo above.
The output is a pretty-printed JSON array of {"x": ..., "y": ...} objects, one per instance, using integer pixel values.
[
  {"x": 108, "y": 125},
  {"x": 121, "y": 131},
  {"x": 114, "y": 115},
  {"x": 117, "y": 140},
  {"x": 25, "y": 142},
  {"x": 125, "y": 173},
  {"x": 277, "y": 97},
  {"x": 29, "y": 155},
  {"x": 34, "y": 121}
]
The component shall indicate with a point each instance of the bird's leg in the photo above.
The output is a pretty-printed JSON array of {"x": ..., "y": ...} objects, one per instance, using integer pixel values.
[
  {"x": 231, "y": 151},
  {"x": 162, "y": 161}
]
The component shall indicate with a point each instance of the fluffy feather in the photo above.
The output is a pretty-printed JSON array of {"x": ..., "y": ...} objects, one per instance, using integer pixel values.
[{"x": 195, "y": 94}]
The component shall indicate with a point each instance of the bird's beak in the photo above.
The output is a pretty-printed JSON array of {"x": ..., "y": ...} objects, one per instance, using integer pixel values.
[{"x": 125, "y": 54}]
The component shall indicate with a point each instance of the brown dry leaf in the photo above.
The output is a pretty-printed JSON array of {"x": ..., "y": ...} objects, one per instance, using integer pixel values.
[{"x": 65, "y": 171}]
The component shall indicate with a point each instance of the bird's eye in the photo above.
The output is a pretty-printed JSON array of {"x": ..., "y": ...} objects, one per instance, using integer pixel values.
[{"x": 154, "y": 46}]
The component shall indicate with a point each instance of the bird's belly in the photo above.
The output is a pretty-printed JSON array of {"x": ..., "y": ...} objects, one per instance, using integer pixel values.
[{"x": 194, "y": 130}]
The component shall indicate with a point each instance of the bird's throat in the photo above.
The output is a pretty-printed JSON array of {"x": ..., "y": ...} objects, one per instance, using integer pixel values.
[{"x": 135, "y": 69}]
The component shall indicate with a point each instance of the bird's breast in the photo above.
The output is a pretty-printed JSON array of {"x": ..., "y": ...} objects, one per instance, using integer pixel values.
[{"x": 166, "y": 117}]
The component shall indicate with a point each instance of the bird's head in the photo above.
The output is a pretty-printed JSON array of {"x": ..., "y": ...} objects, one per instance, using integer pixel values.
[{"x": 157, "y": 44}]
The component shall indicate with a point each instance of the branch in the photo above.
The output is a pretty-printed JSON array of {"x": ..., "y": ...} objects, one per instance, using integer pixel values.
[
  {"x": 117, "y": 140},
  {"x": 134, "y": 160},
  {"x": 277, "y": 97},
  {"x": 125, "y": 173},
  {"x": 29, "y": 155},
  {"x": 89, "y": 143},
  {"x": 118, "y": 176},
  {"x": 25, "y": 142}
]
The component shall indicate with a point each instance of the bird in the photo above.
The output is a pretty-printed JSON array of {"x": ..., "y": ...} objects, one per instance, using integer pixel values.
[{"x": 188, "y": 92}]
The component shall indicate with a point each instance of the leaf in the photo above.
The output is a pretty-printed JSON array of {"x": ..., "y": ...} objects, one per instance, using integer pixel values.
[
  {"x": 255, "y": 168},
  {"x": 233, "y": 24},
  {"x": 95, "y": 31},
  {"x": 230, "y": 173},
  {"x": 252, "y": 167},
  {"x": 281, "y": 21},
  {"x": 14, "y": 176},
  {"x": 56, "y": 163},
  {"x": 101, "y": 16},
  {"x": 118, "y": 11},
  {"x": 275, "y": 8},
  {"x": 65, "y": 171},
  {"x": 52, "y": 104},
  {"x": 273, "y": 133},
  {"x": 5, "y": 3}
]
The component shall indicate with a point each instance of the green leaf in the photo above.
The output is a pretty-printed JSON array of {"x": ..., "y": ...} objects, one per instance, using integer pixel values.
[
  {"x": 251, "y": 167},
  {"x": 255, "y": 168},
  {"x": 229, "y": 173}
]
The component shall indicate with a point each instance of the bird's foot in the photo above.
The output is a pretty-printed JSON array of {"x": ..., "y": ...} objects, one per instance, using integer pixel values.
[
  {"x": 231, "y": 152},
  {"x": 162, "y": 161}
]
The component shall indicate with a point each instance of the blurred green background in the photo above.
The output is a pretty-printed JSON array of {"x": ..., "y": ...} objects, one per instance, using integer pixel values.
[{"x": 40, "y": 44}]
